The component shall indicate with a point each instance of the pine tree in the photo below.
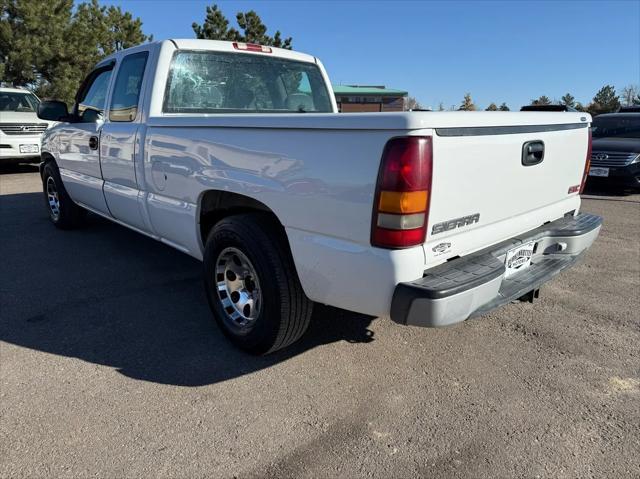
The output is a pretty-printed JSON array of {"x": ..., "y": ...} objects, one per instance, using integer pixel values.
[
  {"x": 49, "y": 48},
  {"x": 123, "y": 31},
  {"x": 503, "y": 107},
  {"x": 569, "y": 100},
  {"x": 467, "y": 103},
  {"x": 542, "y": 100},
  {"x": 30, "y": 35},
  {"x": 216, "y": 27},
  {"x": 492, "y": 107},
  {"x": 605, "y": 101}
]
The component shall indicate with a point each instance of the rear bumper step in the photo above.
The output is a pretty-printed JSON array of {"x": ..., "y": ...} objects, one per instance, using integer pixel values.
[{"x": 475, "y": 284}]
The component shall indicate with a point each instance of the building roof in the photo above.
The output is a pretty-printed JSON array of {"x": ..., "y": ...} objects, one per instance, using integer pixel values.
[{"x": 367, "y": 90}]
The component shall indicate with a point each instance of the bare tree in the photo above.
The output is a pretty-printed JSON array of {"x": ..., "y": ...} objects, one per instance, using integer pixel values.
[
  {"x": 412, "y": 104},
  {"x": 630, "y": 94}
]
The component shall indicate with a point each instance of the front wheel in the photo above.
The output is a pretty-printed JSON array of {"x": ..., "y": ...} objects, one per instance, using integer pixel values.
[
  {"x": 252, "y": 285},
  {"x": 64, "y": 213}
]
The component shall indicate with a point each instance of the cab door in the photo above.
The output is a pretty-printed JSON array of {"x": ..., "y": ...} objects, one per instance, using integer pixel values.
[
  {"x": 120, "y": 146},
  {"x": 78, "y": 158}
]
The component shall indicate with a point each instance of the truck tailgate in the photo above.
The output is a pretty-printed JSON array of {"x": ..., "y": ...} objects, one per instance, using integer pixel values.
[{"x": 487, "y": 188}]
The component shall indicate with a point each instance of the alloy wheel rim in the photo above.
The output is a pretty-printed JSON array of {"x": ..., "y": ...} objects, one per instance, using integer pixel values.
[
  {"x": 52, "y": 198},
  {"x": 238, "y": 288}
]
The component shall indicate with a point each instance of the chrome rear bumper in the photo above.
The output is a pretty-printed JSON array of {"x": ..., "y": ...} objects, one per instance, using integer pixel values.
[{"x": 475, "y": 284}]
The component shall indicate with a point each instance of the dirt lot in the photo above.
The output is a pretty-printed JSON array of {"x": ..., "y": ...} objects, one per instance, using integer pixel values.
[{"x": 111, "y": 366}]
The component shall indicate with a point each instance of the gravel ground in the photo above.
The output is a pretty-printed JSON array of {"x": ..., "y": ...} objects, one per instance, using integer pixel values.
[{"x": 110, "y": 366}]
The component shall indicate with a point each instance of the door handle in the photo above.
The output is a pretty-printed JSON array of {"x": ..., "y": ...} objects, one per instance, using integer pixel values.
[
  {"x": 93, "y": 142},
  {"x": 532, "y": 153}
]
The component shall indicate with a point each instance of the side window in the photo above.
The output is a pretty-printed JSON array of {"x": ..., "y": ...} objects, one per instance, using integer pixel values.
[
  {"x": 93, "y": 99},
  {"x": 126, "y": 92}
]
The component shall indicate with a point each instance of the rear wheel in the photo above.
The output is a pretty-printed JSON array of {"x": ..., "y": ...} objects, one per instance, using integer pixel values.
[
  {"x": 64, "y": 213},
  {"x": 252, "y": 285}
]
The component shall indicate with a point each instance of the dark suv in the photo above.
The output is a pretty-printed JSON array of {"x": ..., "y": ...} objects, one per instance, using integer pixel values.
[{"x": 615, "y": 155}]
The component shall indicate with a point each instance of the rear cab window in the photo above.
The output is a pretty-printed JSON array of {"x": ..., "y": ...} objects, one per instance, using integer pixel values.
[{"x": 221, "y": 82}]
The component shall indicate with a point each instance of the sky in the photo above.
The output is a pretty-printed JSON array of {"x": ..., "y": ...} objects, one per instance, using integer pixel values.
[{"x": 499, "y": 51}]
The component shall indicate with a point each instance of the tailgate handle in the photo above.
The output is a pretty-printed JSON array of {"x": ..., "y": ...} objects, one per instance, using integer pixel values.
[{"x": 532, "y": 153}]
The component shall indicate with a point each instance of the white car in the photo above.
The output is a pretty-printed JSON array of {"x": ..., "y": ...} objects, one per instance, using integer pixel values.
[
  {"x": 20, "y": 127},
  {"x": 235, "y": 154}
]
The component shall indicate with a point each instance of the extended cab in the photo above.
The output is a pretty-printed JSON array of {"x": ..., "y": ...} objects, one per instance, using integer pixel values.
[{"x": 235, "y": 154}]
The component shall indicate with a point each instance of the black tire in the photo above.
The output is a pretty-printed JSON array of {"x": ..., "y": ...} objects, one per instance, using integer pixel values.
[
  {"x": 69, "y": 215},
  {"x": 285, "y": 310}
]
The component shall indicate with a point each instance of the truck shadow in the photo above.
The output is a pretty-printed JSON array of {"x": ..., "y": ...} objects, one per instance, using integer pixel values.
[{"x": 112, "y": 297}]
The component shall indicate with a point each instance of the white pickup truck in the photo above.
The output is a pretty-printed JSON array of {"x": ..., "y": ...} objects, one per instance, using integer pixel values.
[{"x": 235, "y": 154}]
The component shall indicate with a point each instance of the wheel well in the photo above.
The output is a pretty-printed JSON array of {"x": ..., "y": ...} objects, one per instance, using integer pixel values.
[
  {"x": 46, "y": 158},
  {"x": 216, "y": 205}
]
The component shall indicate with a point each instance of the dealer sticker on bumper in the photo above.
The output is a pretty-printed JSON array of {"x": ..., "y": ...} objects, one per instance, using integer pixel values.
[
  {"x": 519, "y": 258},
  {"x": 29, "y": 148}
]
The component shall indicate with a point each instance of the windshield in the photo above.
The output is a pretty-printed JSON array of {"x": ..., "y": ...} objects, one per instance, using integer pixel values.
[
  {"x": 616, "y": 127},
  {"x": 18, "y": 102},
  {"x": 215, "y": 82}
]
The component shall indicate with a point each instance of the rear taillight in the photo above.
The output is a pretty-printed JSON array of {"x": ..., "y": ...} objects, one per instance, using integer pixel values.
[
  {"x": 251, "y": 47},
  {"x": 401, "y": 208},
  {"x": 587, "y": 164}
]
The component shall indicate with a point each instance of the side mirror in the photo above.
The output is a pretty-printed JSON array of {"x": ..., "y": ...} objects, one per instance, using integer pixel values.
[
  {"x": 91, "y": 116},
  {"x": 53, "y": 111}
]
